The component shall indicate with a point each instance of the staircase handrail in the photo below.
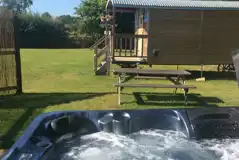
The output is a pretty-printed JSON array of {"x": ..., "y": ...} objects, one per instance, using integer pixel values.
[{"x": 99, "y": 41}]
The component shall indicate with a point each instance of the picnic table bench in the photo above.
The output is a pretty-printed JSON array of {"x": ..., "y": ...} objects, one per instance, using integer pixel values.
[{"x": 173, "y": 76}]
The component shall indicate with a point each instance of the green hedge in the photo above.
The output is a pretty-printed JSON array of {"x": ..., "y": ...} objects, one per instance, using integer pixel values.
[{"x": 40, "y": 32}]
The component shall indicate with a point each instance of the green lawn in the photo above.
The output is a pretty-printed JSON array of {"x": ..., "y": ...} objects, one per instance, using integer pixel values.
[{"x": 64, "y": 80}]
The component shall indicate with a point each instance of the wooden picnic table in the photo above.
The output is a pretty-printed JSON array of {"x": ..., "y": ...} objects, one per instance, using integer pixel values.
[
  {"x": 150, "y": 72},
  {"x": 173, "y": 76}
]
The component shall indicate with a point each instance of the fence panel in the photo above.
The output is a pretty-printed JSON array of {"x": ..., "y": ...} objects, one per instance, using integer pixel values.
[{"x": 10, "y": 66}]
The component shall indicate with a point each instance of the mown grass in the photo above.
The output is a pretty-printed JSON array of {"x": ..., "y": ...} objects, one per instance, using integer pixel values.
[{"x": 64, "y": 80}]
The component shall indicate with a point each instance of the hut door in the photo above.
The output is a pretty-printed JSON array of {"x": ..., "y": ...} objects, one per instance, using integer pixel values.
[{"x": 141, "y": 29}]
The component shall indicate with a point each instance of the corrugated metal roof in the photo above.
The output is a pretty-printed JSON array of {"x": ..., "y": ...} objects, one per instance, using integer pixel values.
[{"x": 187, "y": 4}]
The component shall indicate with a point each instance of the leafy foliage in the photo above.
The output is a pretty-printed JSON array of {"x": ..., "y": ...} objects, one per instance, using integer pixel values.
[
  {"x": 89, "y": 12},
  {"x": 17, "y": 5},
  {"x": 46, "y": 16},
  {"x": 40, "y": 31},
  {"x": 72, "y": 26},
  {"x": 45, "y": 31},
  {"x": 65, "y": 19}
]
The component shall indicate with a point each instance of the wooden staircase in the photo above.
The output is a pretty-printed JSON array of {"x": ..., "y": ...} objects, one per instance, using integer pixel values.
[{"x": 102, "y": 57}]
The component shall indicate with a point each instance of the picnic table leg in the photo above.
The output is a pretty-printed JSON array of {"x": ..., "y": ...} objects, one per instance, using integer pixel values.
[
  {"x": 119, "y": 81},
  {"x": 185, "y": 92},
  {"x": 119, "y": 90},
  {"x": 119, "y": 96},
  {"x": 185, "y": 97},
  {"x": 173, "y": 81},
  {"x": 176, "y": 82},
  {"x": 184, "y": 82}
]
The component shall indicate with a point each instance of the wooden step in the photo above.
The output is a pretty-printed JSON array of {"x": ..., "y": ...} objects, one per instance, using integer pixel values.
[
  {"x": 129, "y": 59},
  {"x": 102, "y": 64},
  {"x": 102, "y": 68}
]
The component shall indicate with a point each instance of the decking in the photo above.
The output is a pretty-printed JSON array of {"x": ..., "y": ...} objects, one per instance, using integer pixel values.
[
  {"x": 121, "y": 49},
  {"x": 129, "y": 60}
]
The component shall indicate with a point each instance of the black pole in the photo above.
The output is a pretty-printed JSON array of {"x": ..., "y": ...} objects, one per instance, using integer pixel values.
[{"x": 17, "y": 54}]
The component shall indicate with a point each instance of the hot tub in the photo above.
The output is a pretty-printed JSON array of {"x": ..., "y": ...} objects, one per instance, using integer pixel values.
[{"x": 180, "y": 134}]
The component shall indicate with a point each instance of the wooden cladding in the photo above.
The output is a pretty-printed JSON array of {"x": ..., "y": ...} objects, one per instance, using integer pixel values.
[
  {"x": 192, "y": 37},
  {"x": 220, "y": 34}
]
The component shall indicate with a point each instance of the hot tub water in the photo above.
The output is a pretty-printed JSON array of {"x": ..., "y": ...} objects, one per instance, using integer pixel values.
[{"x": 145, "y": 145}]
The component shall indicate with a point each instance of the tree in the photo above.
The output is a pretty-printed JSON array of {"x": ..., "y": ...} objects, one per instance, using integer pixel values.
[
  {"x": 68, "y": 22},
  {"x": 17, "y": 5},
  {"x": 38, "y": 32},
  {"x": 89, "y": 12},
  {"x": 46, "y": 16},
  {"x": 65, "y": 19}
]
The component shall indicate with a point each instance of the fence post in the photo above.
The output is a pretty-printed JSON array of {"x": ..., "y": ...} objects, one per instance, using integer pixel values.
[
  {"x": 95, "y": 58},
  {"x": 110, "y": 39},
  {"x": 108, "y": 60},
  {"x": 17, "y": 55}
]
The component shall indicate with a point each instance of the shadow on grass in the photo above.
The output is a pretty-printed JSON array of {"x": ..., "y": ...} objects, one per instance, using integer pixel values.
[
  {"x": 166, "y": 99},
  {"x": 41, "y": 100},
  {"x": 8, "y": 138},
  {"x": 213, "y": 75},
  {"x": 27, "y": 106}
]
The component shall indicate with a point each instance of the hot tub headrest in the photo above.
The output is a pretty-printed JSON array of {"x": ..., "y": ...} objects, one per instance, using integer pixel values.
[
  {"x": 215, "y": 123},
  {"x": 71, "y": 124}
]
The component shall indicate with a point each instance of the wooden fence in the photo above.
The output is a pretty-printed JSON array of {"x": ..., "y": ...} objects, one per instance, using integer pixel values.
[{"x": 10, "y": 65}]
